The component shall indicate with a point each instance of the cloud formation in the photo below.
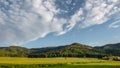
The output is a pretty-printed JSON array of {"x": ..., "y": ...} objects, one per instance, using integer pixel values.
[
  {"x": 100, "y": 11},
  {"x": 22, "y": 21},
  {"x": 27, "y": 20},
  {"x": 115, "y": 24}
]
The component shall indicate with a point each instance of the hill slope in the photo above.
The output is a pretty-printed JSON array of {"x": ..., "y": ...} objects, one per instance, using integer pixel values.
[
  {"x": 14, "y": 51},
  {"x": 72, "y": 50},
  {"x": 109, "y": 49}
]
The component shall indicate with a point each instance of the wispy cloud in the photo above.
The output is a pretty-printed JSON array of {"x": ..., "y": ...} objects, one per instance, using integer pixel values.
[
  {"x": 99, "y": 11},
  {"x": 115, "y": 24},
  {"x": 27, "y": 20}
]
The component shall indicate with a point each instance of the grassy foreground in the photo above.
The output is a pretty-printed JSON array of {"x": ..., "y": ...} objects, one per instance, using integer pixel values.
[{"x": 8, "y": 62}]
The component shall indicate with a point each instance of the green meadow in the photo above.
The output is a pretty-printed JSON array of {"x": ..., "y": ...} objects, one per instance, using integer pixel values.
[{"x": 13, "y": 62}]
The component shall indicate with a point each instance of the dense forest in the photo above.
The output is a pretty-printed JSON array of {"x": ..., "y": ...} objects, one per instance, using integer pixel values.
[{"x": 72, "y": 50}]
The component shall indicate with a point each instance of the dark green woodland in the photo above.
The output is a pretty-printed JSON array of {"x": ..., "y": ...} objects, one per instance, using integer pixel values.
[{"x": 72, "y": 50}]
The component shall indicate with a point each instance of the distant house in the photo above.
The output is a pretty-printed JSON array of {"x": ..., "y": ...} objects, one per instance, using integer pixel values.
[{"x": 117, "y": 58}]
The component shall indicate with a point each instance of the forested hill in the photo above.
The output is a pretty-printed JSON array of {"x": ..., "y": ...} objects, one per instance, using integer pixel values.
[
  {"x": 110, "y": 49},
  {"x": 72, "y": 50},
  {"x": 14, "y": 51}
]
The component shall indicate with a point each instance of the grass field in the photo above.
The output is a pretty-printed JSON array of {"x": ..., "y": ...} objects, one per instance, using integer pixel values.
[{"x": 8, "y": 62}]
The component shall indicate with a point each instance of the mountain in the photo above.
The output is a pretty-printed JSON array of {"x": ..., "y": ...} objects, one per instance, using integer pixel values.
[
  {"x": 14, "y": 51},
  {"x": 109, "y": 49},
  {"x": 72, "y": 50}
]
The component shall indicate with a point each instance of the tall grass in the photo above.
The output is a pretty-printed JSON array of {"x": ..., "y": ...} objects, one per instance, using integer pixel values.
[
  {"x": 57, "y": 66},
  {"x": 8, "y": 62}
]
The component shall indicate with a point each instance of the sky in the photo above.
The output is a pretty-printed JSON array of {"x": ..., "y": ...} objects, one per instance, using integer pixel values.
[{"x": 42, "y": 23}]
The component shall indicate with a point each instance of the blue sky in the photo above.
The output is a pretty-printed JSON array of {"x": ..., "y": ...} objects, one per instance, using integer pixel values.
[
  {"x": 94, "y": 36},
  {"x": 41, "y": 23}
]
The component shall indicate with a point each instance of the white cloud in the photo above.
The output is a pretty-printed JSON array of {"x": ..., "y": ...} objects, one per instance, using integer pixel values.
[
  {"x": 98, "y": 12},
  {"x": 115, "y": 24},
  {"x": 27, "y": 20},
  {"x": 76, "y": 17}
]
